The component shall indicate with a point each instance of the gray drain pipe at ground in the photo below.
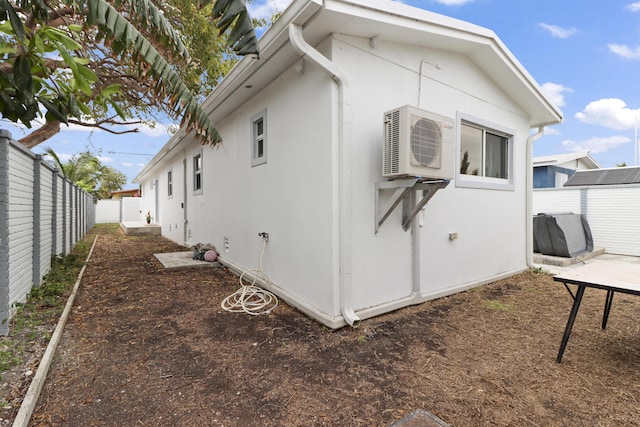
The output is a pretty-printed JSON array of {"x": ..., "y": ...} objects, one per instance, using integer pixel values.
[{"x": 344, "y": 178}]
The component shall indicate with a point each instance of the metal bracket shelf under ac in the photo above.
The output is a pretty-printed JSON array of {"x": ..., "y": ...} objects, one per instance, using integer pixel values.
[{"x": 405, "y": 193}]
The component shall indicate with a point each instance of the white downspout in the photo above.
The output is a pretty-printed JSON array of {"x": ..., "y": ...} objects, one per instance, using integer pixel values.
[
  {"x": 529, "y": 199},
  {"x": 344, "y": 174}
]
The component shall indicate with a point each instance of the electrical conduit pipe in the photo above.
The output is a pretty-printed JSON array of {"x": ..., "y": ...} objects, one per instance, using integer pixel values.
[{"x": 344, "y": 174}]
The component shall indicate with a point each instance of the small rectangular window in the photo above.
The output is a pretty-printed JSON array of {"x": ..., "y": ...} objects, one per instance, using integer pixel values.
[
  {"x": 197, "y": 173},
  {"x": 170, "y": 183},
  {"x": 485, "y": 156},
  {"x": 259, "y": 139}
]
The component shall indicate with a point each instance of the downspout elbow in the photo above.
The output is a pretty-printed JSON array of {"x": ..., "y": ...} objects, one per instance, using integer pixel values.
[{"x": 305, "y": 49}]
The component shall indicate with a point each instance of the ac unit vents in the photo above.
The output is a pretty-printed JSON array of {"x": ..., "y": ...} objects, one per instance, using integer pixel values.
[{"x": 417, "y": 143}]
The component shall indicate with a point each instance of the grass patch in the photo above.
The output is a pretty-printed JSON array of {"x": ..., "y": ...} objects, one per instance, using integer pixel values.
[
  {"x": 538, "y": 270},
  {"x": 498, "y": 306}
]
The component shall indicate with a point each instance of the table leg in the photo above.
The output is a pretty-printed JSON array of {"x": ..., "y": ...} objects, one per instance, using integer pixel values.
[
  {"x": 607, "y": 308},
  {"x": 572, "y": 318}
]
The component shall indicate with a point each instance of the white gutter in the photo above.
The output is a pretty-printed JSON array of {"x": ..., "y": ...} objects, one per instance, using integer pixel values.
[
  {"x": 529, "y": 198},
  {"x": 344, "y": 166}
]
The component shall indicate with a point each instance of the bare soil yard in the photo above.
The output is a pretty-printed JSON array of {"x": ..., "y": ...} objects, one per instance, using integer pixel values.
[{"x": 145, "y": 346}]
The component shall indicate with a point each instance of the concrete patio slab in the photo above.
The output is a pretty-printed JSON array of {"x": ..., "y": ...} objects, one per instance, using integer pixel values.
[
  {"x": 183, "y": 260},
  {"x": 138, "y": 228},
  {"x": 559, "y": 267},
  {"x": 564, "y": 261},
  {"x": 420, "y": 418}
]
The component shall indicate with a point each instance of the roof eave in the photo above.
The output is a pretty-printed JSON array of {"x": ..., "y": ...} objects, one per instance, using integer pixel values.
[
  {"x": 245, "y": 78},
  {"x": 228, "y": 89}
]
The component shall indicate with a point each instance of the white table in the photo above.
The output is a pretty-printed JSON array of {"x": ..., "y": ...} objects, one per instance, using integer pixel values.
[{"x": 608, "y": 275}]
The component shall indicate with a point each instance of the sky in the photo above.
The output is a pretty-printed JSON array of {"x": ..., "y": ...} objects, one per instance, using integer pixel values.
[{"x": 585, "y": 54}]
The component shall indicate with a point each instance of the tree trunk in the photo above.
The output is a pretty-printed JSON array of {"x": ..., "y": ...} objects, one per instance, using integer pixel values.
[{"x": 40, "y": 135}]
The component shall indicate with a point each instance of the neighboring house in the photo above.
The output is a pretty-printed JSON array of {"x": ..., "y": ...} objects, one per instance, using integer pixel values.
[
  {"x": 553, "y": 171},
  {"x": 116, "y": 195},
  {"x": 302, "y": 159}
]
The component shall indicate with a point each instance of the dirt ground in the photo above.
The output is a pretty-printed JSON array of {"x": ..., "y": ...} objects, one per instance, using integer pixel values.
[{"x": 145, "y": 346}]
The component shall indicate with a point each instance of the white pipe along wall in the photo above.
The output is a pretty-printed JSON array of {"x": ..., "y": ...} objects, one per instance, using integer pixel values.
[
  {"x": 529, "y": 195},
  {"x": 344, "y": 174}
]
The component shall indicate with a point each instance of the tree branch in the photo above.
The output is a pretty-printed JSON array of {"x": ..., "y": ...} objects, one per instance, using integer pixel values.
[
  {"x": 58, "y": 17},
  {"x": 49, "y": 129},
  {"x": 99, "y": 126}
]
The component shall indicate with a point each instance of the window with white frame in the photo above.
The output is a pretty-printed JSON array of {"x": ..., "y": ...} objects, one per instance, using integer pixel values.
[
  {"x": 197, "y": 173},
  {"x": 485, "y": 155},
  {"x": 170, "y": 183},
  {"x": 259, "y": 138}
]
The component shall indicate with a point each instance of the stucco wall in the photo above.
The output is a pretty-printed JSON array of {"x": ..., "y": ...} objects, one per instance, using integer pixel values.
[
  {"x": 490, "y": 223},
  {"x": 294, "y": 196},
  {"x": 291, "y": 196}
]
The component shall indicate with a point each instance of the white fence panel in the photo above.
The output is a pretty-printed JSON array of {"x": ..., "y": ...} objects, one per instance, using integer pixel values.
[
  {"x": 46, "y": 219},
  {"x": 613, "y": 213},
  {"x": 108, "y": 211},
  {"x": 556, "y": 200},
  {"x": 614, "y": 217},
  {"x": 20, "y": 225},
  {"x": 59, "y": 225}
]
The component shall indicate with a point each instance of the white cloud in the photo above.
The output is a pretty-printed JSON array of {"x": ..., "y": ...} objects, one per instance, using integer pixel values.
[
  {"x": 64, "y": 157},
  {"x": 549, "y": 130},
  {"x": 559, "y": 32},
  {"x": 127, "y": 164},
  {"x": 141, "y": 165},
  {"x": 625, "y": 51},
  {"x": 554, "y": 92},
  {"x": 633, "y": 7},
  {"x": 595, "y": 144},
  {"x": 611, "y": 113},
  {"x": 105, "y": 159},
  {"x": 265, "y": 9}
]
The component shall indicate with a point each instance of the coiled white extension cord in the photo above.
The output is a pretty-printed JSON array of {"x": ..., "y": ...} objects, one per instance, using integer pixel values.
[{"x": 250, "y": 298}]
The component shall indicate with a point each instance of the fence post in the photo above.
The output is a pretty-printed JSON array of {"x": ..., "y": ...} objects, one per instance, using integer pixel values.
[
  {"x": 5, "y": 310},
  {"x": 64, "y": 216},
  {"x": 72, "y": 215},
  {"x": 76, "y": 193},
  {"x": 37, "y": 218},
  {"x": 83, "y": 214},
  {"x": 54, "y": 213}
]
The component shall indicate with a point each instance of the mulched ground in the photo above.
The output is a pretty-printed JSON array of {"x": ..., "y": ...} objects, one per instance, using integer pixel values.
[{"x": 145, "y": 346}]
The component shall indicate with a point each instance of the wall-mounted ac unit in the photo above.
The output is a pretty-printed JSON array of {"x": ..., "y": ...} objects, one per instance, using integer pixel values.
[{"x": 417, "y": 143}]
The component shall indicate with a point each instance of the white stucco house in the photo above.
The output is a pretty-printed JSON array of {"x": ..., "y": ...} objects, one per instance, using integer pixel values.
[{"x": 304, "y": 131}]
